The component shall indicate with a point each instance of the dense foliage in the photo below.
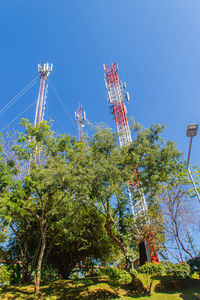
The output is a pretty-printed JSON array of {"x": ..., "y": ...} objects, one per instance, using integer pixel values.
[
  {"x": 151, "y": 269},
  {"x": 117, "y": 277},
  {"x": 195, "y": 265},
  {"x": 178, "y": 271},
  {"x": 5, "y": 275},
  {"x": 65, "y": 203}
]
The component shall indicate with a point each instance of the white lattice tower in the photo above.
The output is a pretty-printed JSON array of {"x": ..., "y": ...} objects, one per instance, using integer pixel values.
[
  {"x": 44, "y": 74},
  {"x": 41, "y": 102}
]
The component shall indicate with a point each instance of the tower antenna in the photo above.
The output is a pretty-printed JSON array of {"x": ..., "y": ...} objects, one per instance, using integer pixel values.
[
  {"x": 44, "y": 73},
  {"x": 80, "y": 117},
  {"x": 41, "y": 102},
  {"x": 117, "y": 94}
]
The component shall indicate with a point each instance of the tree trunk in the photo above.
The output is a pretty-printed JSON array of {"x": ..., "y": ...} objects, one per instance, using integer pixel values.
[
  {"x": 184, "y": 249},
  {"x": 40, "y": 258},
  {"x": 116, "y": 240},
  {"x": 179, "y": 250},
  {"x": 35, "y": 258},
  {"x": 26, "y": 274}
]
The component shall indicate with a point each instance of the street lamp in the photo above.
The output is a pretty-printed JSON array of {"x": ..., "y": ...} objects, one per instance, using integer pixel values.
[{"x": 191, "y": 132}]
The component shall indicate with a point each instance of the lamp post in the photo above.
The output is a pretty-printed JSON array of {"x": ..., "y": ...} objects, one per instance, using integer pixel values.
[{"x": 191, "y": 132}]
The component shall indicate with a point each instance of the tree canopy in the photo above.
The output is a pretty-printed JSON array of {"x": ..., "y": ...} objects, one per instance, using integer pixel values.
[{"x": 66, "y": 202}]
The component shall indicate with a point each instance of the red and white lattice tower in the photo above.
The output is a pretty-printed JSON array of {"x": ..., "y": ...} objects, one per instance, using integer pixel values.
[
  {"x": 81, "y": 119},
  {"x": 117, "y": 94},
  {"x": 44, "y": 74}
]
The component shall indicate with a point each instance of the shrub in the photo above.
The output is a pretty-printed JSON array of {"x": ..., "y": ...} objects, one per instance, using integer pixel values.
[
  {"x": 150, "y": 271},
  {"x": 175, "y": 275},
  {"x": 178, "y": 271},
  {"x": 118, "y": 277},
  {"x": 49, "y": 273},
  {"x": 194, "y": 264},
  {"x": 136, "y": 284},
  {"x": 16, "y": 273},
  {"x": 75, "y": 276},
  {"x": 97, "y": 272},
  {"x": 4, "y": 275},
  {"x": 124, "y": 278}
]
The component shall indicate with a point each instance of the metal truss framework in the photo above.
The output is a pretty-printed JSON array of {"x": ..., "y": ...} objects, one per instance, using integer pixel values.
[
  {"x": 44, "y": 74},
  {"x": 41, "y": 102},
  {"x": 116, "y": 95}
]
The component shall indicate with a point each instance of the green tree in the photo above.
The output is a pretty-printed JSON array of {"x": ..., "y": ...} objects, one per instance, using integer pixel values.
[
  {"x": 68, "y": 177},
  {"x": 61, "y": 172},
  {"x": 37, "y": 196},
  {"x": 156, "y": 161},
  {"x": 7, "y": 171},
  {"x": 77, "y": 237}
]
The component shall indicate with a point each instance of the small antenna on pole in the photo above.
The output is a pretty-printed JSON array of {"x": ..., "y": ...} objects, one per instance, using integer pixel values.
[{"x": 81, "y": 119}]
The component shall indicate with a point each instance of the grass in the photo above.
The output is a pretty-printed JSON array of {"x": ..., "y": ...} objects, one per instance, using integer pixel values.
[{"x": 94, "y": 288}]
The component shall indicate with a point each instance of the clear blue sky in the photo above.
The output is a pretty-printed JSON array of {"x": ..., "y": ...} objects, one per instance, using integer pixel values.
[{"x": 156, "y": 44}]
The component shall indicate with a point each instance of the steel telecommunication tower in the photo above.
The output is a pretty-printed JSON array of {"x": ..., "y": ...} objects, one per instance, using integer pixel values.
[
  {"x": 44, "y": 74},
  {"x": 81, "y": 119},
  {"x": 40, "y": 107},
  {"x": 116, "y": 95}
]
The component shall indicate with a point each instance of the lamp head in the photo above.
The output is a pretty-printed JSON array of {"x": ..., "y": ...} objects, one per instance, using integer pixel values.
[{"x": 192, "y": 130}]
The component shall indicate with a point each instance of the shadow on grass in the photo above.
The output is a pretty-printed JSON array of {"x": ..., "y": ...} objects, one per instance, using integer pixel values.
[
  {"x": 95, "y": 288},
  {"x": 191, "y": 289},
  {"x": 190, "y": 294},
  {"x": 17, "y": 292},
  {"x": 72, "y": 289},
  {"x": 188, "y": 289}
]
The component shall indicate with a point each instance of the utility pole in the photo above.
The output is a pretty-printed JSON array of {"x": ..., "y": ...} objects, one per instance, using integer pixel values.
[
  {"x": 81, "y": 119},
  {"x": 117, "y": 94},
  {"x": 191, "y": 132}
]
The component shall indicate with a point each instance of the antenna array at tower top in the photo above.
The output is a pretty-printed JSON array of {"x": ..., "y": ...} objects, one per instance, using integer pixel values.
[{"x": 45, "y": 70}]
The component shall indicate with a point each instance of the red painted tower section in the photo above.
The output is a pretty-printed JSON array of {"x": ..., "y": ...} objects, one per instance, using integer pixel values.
[{"x": 116, "y": 95}]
